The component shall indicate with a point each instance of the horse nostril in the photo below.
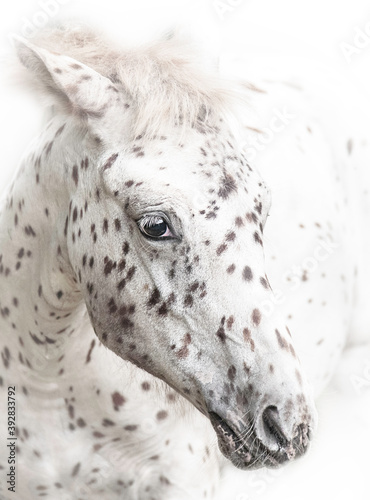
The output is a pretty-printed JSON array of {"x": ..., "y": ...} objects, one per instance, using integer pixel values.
[{"x": 272, "y": 426}]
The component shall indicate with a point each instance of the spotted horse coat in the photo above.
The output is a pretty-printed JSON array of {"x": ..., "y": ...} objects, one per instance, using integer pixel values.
[{"x": 146, "y": 223}]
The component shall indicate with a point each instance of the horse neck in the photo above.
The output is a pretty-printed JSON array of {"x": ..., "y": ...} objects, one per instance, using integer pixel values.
[{"x": 39, "y": 296}]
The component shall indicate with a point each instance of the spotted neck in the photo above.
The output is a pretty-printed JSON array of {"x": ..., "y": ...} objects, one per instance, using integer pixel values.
[{"x": 39, "y": 296}]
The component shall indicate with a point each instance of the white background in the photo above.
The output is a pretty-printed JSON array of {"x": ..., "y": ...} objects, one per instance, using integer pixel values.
[{"x": 338, "y": 466}]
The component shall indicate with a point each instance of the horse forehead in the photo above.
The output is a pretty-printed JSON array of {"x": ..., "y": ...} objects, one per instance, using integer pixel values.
[{"x": 208, "y": 164}]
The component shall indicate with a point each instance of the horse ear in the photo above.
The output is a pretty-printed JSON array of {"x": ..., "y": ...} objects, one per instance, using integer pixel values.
[{"x": 71, "y": 84}]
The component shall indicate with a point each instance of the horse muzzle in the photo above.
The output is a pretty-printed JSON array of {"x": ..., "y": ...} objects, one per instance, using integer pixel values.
[{"x": 261, "y": 442}]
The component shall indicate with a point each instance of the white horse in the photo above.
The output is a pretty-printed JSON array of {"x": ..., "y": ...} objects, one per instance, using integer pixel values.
[{"x": 137, "y": 213}]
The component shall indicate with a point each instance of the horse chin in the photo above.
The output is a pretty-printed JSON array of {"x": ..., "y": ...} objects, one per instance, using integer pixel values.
[
  {"x": 232, "y": 446},
  {"x": 240, "y": 460}
]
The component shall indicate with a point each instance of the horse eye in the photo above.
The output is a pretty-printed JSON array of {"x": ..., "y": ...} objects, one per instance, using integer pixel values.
[{"x": 155, "y": 226}]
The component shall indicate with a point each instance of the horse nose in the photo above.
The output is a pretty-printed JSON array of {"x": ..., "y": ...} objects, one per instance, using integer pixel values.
[
  {"x": 283, "y": 443},
  {"x": 272, "y": 428}
]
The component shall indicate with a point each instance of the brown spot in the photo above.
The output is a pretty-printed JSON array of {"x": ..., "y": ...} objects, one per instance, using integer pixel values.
[
  {"x": 109, "y": 266},
  {"x": 221, "y": 249},
  {"x": 281, "y": 341},
  {"x": 221, "y": 334},
  {"x": 228, "y": 186},
  {"x": 71, "y": 412},
  {"x": 258, "y": 207},
  {"x": 257, "y": 238},
  {"x": 239, "y": 222},
  {"x": 131, "y": 428},
  {"x": 85, "y": 165},
  {"x": 231, "y": 269},
  {"x": 60, "y": 130},
  {"x": 256, "y": 317},
  {"x": 248, "y": 338},
  {"x": 247, "y": 274},
  {"x": 118, "y": 400},
  {"x": 108, "y": 423},
  {"x": 48, "y": 149},
  {"x": 187, "y": 339},
  {"x": 76, "y": 469},
  {"x": 211, "y": 215},
  {"x": 264, "y": 282},
  {"x": 188, "y": 301},
  {"x": 230, "y": 236},
  {"x": 291, "y": 348},
  {"x": 121, "y": 265},
  {"x": 75, "y": 174},
  {"x": 229, "y": 322},
  {"x": 154, "y": 298},
  {"x": 88, "y": 357},
  {"x": 81, "y": 422},
  {"x": 110, "y": 161},
  {"x": 75, "y": 214},
  {"x": 164, "y": 480},
  {"x": 183, "y": 352},
  {"x": 162, "y": 415},
  {"x": 251, "y": 217},
  {"x": 231, "y": 373},
  {"x": 163, "y": 310}
]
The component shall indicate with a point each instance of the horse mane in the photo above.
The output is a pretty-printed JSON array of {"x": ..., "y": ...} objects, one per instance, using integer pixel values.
[{"x": 166, "y": 79}]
